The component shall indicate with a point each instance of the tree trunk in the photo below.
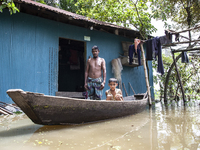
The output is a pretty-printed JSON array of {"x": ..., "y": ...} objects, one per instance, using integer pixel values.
[
  {"x": 146, "y": 74},
  {"x": 167, "y": 78}
]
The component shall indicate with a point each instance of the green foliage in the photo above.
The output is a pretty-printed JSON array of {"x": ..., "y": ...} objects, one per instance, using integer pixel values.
[
  {"x": 41, "y": 1},
  {"x": 135, "y": 13},
  {"x": 69, "y": 5},
  {"x": 189, "y": 73},
  {"x": 185, "y": 13},
  {"x": 8, "y": 4},
  {"x": 18, "y": 112},
  {"x": 127, "y": 13}
]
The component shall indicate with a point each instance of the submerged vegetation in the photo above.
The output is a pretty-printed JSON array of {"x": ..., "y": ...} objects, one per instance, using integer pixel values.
[{"x": 18, "y": 112}]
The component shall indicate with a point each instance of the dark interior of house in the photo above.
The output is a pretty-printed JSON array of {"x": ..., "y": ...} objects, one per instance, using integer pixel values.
[{"x": 71, "y": 65}]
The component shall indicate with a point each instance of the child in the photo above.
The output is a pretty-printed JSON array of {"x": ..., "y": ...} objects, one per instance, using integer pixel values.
[{"x": 113, "y": 93}]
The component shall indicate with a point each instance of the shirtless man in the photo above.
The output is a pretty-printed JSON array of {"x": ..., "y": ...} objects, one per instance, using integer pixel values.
[{"x": 93, "y": 76}]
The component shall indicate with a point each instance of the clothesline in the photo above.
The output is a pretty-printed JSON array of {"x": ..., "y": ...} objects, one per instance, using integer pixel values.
[
  {"x": 175, "y": 43},
  {"x": 154, "y": 47},
  {"x": 184, "y": 54},
  {"x": 184, "y": 42},
  {"x": 174, "y": 33},
  {"x": 153, "y": 51}
]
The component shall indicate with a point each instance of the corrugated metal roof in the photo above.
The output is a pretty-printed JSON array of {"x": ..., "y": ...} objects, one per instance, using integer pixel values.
[{"x": 53, "y": 13}]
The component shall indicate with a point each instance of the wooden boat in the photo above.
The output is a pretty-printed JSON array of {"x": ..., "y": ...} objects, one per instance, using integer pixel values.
[{"x": 52, "y": 110}]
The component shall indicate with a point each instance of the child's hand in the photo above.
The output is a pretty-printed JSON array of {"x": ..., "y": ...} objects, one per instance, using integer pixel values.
[
  {"x": 118, "y": 97},
  {"x": 109, "y": 97}
]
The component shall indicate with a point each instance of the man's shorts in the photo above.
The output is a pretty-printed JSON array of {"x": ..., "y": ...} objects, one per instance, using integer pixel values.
[{"x": 94, "y": 91}]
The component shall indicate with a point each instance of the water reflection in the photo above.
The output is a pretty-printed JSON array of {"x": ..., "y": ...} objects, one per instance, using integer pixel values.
[
  {"x": 101, "y": 135},
  {"x": 178, "y": 126},
  {"x": 169, "y": 127}
]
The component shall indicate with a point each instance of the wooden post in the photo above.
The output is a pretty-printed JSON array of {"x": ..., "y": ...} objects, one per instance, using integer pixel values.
[
  {"x": 146, "y": 74},
  {"x": 179, "y": 77},
  {"x": 131, "y": 87},
  {"x": 125, "y": 89}
]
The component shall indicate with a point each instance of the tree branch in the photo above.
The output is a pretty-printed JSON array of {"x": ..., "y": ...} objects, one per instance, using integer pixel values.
[{"x": 135, "y": 4}]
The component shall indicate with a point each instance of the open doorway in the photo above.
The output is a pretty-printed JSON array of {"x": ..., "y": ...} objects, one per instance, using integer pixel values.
[{"x": 71, "y": 66}]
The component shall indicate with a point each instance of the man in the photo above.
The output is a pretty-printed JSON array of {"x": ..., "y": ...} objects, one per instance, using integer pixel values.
[{"x": 93, "y": 75}]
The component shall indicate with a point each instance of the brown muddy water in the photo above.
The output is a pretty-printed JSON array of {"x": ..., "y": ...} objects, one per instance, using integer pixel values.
[{"x": 170, "y": 127}]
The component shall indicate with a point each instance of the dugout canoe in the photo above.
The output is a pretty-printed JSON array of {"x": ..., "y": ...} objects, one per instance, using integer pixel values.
[{"x": 54, "y": 110}]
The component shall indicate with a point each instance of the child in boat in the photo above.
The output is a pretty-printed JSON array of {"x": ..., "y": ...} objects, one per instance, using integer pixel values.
[{"x": 113, "y": 93}]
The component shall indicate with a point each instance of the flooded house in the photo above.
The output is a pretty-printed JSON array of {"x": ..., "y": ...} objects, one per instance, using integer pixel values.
[{"x": 45, "y": 49}]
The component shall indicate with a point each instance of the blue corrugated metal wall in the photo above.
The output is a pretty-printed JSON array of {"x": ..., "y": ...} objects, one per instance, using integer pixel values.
[{"x": 29, "y": 54}]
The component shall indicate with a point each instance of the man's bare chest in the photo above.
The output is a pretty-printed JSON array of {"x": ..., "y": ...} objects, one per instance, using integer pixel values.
[{"x": 96, "y": 63}]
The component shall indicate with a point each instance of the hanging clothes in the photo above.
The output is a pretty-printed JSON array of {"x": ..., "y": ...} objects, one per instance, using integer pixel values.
[
  {"x": 152, "y": 48},
  {"x": 117, "y": 70},
  {"x": 154, "y": 51},
  {"x": 177, "y": 37},
  {"x": 164, "y": 40},
  {"x": 158, "y": 53},
  {"x": 184, "y": 57},
  {"x": 168, "y": 35},
  {"x": 149, "y": 52},
  {"x": 136, "y": 42},
  {"x": 137, "y": 53}
]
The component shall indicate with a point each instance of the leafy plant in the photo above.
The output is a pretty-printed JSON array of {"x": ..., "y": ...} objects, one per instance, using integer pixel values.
[
  {"x": 8, "y": 4},
  {"x": 189, "y": 73}
]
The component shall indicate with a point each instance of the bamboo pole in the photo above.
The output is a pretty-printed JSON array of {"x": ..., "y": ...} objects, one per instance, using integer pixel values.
[
  {"x": 171, "y": 31},
  {"x": 125, "y": 89},
  {"x": 185, "y": 42},
  {"x": 183, "y": 50},
  {"x": 131, "y": 87},
  {"x": 196, "y": 27},
  {"x": 145, "y": 72}
]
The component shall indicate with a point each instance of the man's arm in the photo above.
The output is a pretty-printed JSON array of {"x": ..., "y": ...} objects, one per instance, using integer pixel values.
[
  {"x": 104, "y": 73},
  {"x": 86, "y": 74}
]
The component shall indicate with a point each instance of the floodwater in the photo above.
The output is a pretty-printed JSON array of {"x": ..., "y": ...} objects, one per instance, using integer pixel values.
[{"x": 171, "y": 127}]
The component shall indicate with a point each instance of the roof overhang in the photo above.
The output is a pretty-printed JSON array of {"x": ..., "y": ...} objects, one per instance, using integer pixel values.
[{"x": 56, "y": 14}]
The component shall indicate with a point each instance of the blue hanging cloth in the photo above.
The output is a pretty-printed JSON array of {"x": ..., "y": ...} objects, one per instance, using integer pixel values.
[{"x": 184, "y": 57}]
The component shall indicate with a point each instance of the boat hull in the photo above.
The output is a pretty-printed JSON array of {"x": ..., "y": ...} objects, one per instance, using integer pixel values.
[{"x": 51, "y": 110}]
